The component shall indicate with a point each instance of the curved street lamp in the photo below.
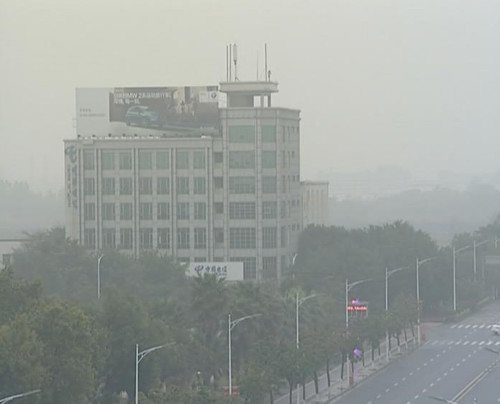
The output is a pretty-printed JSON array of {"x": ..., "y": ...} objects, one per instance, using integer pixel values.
[
  {"x": 231, "y": 325},
  {"x": 420, "y": 262},
  {"x": 10, "y": 398},
  {"x": 99, "y": 275},
  {"x": 139, "y": 356},
  {"x": 455, "y": 251}
]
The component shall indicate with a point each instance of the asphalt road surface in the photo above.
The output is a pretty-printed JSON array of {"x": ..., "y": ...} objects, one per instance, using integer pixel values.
[{"x": 456, "y": 363}]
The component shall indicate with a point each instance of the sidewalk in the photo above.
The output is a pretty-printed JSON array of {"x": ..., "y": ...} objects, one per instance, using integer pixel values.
[{"x": 338, "y": 386}]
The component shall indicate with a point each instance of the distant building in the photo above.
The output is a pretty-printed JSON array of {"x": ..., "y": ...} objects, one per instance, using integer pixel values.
[
  {"x": 151, "y": 170},
  {"x": 7, "y": 247},
  {"x": 314, "y": 203}
]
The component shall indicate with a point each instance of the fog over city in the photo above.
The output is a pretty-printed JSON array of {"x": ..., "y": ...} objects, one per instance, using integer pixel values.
[{"x": 411, "y": 84}]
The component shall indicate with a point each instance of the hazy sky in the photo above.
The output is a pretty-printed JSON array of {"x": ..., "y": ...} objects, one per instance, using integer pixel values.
[{"x": 415, "y": 83}]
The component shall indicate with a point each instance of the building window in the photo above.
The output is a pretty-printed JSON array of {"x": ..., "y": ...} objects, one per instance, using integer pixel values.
[
  {"x": 199, "y": 185},
  {"x": 108, "y": 239},
  {"x": 242, "y": 237},
  {"x": 125, "y": 186},
  {"x": 242, "y": 210},
  {"x": 284, "y": 237},
  {"x": 89, "y": 211},
  {"x": 88, "y": 160},
  {"x": 269, "y": 185},
  {"x": 218, "y": 157},
  {"x": 182, "y": 160},
  {"x": 268, "y": 159},
  {"x": 199, "y": 159},
  {"x": 145, "y": 160},
  {"x": 108, "y": 160},
  {"x": 269, "y": 237},
  {"x": 200, "y": 259},
  {"x": 269, "y": 268},
  {"x": 164, "y": 238},
  {"x": 126, "y": 239},
  {"x": 145, "y": 211},
  {"x": 89, "y": 238},
  {"x": 241, "y": 185},
  {"x": 162, "y": 160},
  {"x": 183, "y": 210},
  {"x": 219, "y": 208},
  {"x": 283, "y": 209},
  {"x": 200, "y": 238},
  {"x": 108, "y": 186},
  {"x": 217, "y": 182},
  {"x": 283, "y": 184},
  {"x": 163, "y": 212},
  {"x": 163, "y": 185},
  {"x": 241, "y": 159},
  {"x": 268, "y": 133},
  {"x": 145, "y": 186},
  {"x": 125, "y": 160},
  {"x": 241, "y": 134},
  {"x": 89, "y": 186},
  {"x": 108, "y": 211},
  {"x": 183, "y": 185},
  {"x": 219, "y": 235},
  {"x": 183, "y": 238},
  {"x": 146, "y": 238},
  {"x": 125, "y": 211},
  {"x": 200, "y": 210},
  {"x": 249, "y": 266},
  {"x": 269, "y": 210}
]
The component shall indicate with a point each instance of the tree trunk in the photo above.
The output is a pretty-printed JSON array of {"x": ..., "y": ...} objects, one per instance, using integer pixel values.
[
  {"x": 290, "y": 392},
  {"x": 316, "y": 384},
  {"x": 406, "y": 337},
  {"x": 390, "y": 340},
  {"x": 397, "y": 339},
  {"x": 328, "y": 372},
  {"x": 363, "y": 356},
  {"x": 271, "y": 396},
  {"x": 412, "y": 329},
  {"x": 378, "y": 348},
  {"x": 304, "y": 389}
]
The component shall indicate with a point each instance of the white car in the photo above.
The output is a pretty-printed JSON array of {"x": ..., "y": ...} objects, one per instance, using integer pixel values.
[{"x": 495, "y": 329}]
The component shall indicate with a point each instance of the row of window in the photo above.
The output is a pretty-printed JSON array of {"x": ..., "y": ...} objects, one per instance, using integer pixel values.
[
  {"x": 160, "y": 160},
  {"x": 183, "y": 211},
  {"x": 237, "y": 210},
  {"x": 246, "y": 134},
  {"x": 146, "y": 186},
  {"x": 237, "y": 185},
  {"x": 239, "y": 238}
]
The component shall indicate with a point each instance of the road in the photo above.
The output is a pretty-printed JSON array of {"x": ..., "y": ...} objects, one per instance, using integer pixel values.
[{"x": 452, "y": 364}]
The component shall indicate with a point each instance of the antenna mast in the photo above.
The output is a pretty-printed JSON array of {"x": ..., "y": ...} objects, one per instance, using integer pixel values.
[
  {"x": 235, "y": 59},
  {"x": 265, "y": 58}
]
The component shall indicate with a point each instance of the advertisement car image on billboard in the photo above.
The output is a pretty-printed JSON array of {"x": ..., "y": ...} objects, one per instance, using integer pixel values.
[{"x": 132, "y": 110}]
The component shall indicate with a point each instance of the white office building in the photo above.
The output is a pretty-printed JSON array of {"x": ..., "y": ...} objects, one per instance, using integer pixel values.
[{"x": 138, "y": 182}]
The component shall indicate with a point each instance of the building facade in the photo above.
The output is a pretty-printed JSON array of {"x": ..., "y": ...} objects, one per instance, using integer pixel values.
[
  {"x": 229, "y": 195},
  {"x": 315, "y": 203}
]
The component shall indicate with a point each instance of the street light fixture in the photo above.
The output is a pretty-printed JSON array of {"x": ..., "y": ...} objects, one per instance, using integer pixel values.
[
  {"x": 139, "y": 356},
  {"x": 420, "y": 262},
  {"x": 387, "y": 274},
  {"x": 298, "y": 303},
  {"x": 475, "y": 245},
  {"x": 455, "y": 251},
  {"x": 231, "y": 325},
  {"x": 10, "y": 398},
  {"x": 99, "y": 275}
]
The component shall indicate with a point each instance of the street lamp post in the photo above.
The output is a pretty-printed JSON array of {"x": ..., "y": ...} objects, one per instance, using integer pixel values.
[
  {"x": 420, "y": 262},
  {"x": 139, "y": 356},
  {"x": 348, "y": 287},
  {"x": 231, "y": 325},
  {"x": 475, "y": 245},
  {"x": 298, "y": 303},
  {"x": 455, "y": 251},
  {"x": 10, "y": 398},
  {"x": 387, "y": 274},
  {"x": 99, "y": 276}
]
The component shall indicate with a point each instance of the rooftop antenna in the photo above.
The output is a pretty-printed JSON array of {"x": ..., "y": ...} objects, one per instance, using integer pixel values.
[
  {"x": 230, "y": 63},
  {"x": 227, "y": 63},
  {"x": 265, "y": 58},
  {"x": 235, "y": 59}
]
